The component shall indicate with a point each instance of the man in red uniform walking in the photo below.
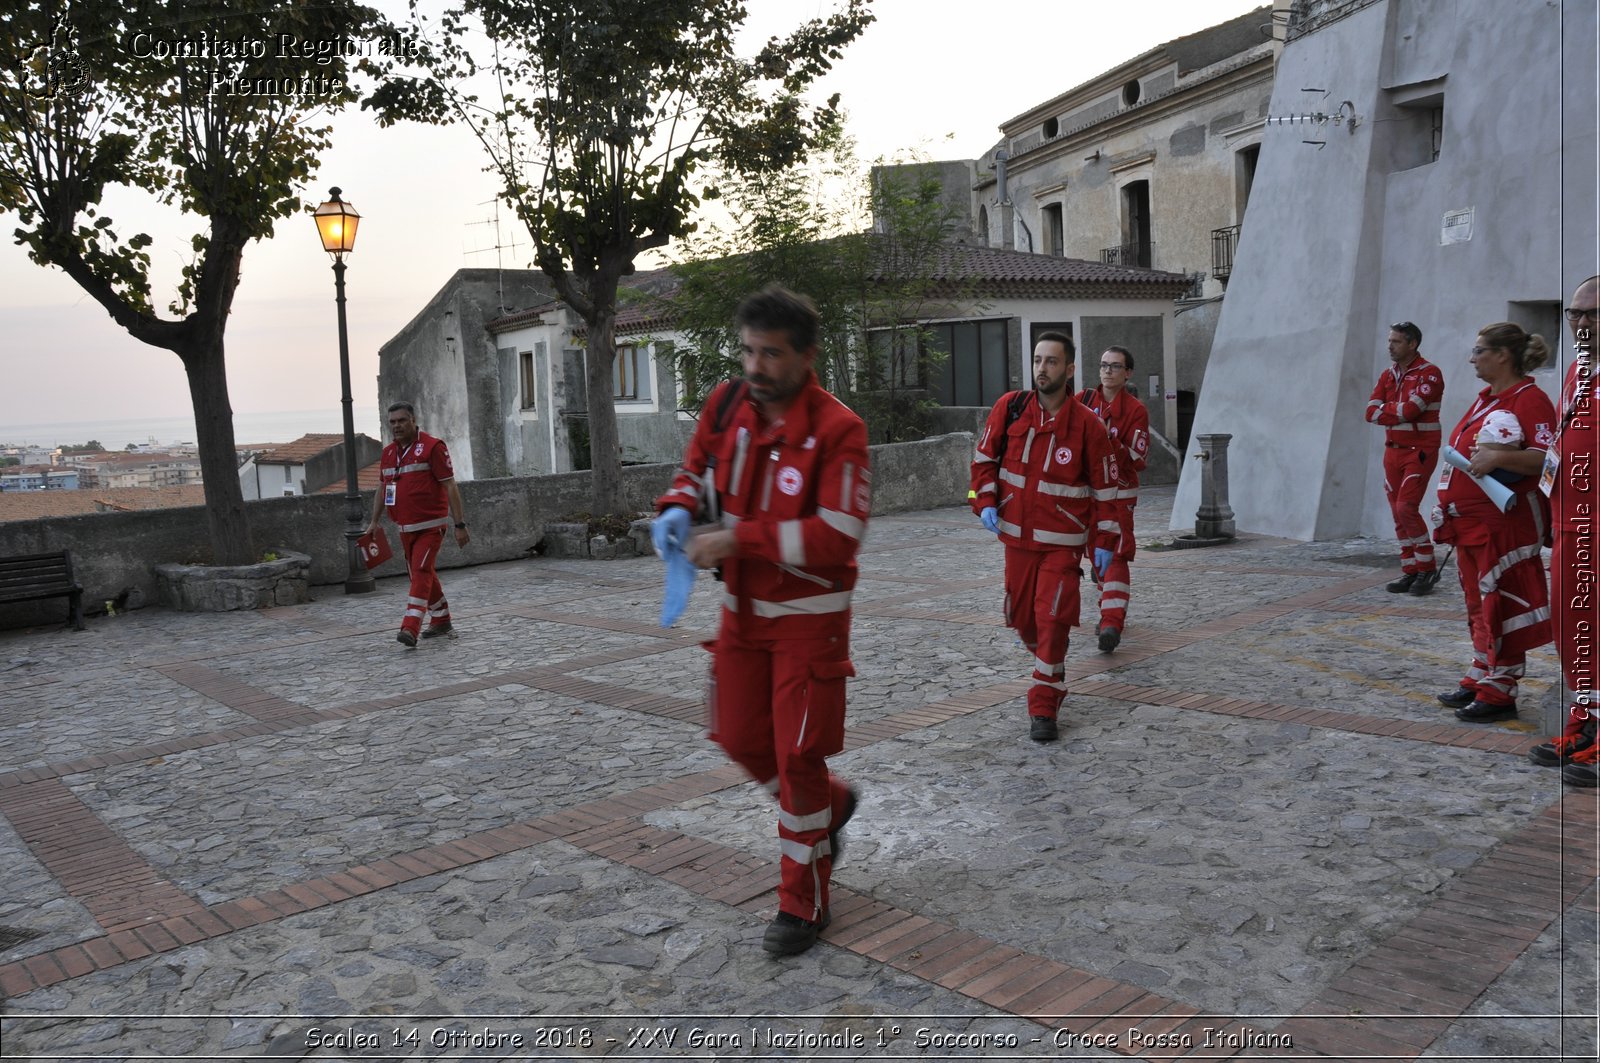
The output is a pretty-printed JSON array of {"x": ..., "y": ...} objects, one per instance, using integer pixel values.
[
  {"x": 1406, "y": 402},
  {"x": 1569, "y": 478},
  {"x": 1128, "y": 424},
  {"x": 419, "y": 491},
  {"x": 782, "y": 466},
  {"x": 1042, "y": 476}
]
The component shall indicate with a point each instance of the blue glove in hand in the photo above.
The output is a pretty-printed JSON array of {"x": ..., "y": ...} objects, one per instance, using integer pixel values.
[
  {"x": 1102, "y": 561},
  {"x": 991, "y": 519},
  {"x": 680, "y": 581},
  {"x": 670, "y": 530}
]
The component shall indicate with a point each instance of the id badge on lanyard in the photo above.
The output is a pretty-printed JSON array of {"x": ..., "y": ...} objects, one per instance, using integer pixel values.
[{"x": 388, "y": 493}]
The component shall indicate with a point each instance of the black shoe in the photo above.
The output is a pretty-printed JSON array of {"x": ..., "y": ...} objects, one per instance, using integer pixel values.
[
  {"x": 1401, "y": 585},
  {"x": 1484, "y": 712},
  {"x": 1585, "y": 775},
  {"x": 1109, "y": 637},
  {"x": 1547, "y": 755},
  {"x": 435, "y": 630},
  {"x": 1426, "y": 582},
  {"x": 1042, "y": 729},
  {"x": 835, "y": 842},
  {"x": 1459, "y": 698},
  {"x": 789, "y": 935},
  {"x": 407, "y": 639}
]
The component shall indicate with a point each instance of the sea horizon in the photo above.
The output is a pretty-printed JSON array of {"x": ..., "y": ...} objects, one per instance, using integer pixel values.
[{"x": 282, "y": 426}]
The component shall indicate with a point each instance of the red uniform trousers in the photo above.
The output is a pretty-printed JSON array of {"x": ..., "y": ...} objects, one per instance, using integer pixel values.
[
  {"x": 776, "y": 707},
  {"x": 1406, "y": 474},
  {"x": 1517, "y": 600},
  {"x": 1116, "y": 586},
  {"x": 426, "y": 595},
  {"x": 1042, "y": 608}
]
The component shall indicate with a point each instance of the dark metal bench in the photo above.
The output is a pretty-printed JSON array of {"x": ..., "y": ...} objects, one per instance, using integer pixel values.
[{"x": 36, "y": 577}]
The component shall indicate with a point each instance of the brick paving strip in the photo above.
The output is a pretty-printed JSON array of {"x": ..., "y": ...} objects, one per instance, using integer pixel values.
[{"x": 1491, "y": 912}]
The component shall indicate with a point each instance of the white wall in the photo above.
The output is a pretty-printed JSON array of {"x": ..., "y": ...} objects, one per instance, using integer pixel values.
[{"x": 1340, "y": 243}]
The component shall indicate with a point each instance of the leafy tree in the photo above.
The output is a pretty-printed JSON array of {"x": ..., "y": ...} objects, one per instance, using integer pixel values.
[
  {"x": 602, "y": 117},
  {"x": 799, "y": 227},
  {"x": 90, "y": 447},
  {"x": 873, "y": 288},
  {"x": 94, "y": 96}
]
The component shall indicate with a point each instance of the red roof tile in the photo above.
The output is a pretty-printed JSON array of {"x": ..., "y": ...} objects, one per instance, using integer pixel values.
[{"x": 301, "y": 450}]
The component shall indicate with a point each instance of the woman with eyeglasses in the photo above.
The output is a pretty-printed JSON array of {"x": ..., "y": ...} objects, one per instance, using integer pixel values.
[{"x": 1504, "y": 434}]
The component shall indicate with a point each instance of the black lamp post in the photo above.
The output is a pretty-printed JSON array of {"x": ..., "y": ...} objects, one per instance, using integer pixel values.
[{"x": 336, "y": 223}]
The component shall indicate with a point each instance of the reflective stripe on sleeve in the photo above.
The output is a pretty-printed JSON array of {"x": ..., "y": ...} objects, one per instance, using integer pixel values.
[{"x": 843, "y": 523}]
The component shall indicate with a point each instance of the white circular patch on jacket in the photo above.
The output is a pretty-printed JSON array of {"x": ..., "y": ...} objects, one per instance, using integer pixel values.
[
  {"x": 1063, "y": 455},
  {"x": 789, "y": 480}
]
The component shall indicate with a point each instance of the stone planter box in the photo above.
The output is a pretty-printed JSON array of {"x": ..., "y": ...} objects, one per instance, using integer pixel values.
[
  {"x": 224, "y": 588},
  {"x": 573, "y": 540}
]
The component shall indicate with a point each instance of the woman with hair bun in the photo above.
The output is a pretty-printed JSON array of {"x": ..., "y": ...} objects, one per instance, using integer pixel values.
[{"x": 1504, "y": 434}]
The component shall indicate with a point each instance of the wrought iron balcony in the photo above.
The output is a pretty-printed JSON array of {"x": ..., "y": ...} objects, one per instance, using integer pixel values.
[
  {"x": 1223, "y": 243},
  {"x": 1140, "y": 255}
]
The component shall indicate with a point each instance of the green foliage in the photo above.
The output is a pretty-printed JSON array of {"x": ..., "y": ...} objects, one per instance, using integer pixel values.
[
  {"x": 91, "y": 447},
  {"x": 184, "y": 103},
  {"x": 137, "y": 117},
  {"x": 803, "y": 229},
  {"x": 600, "y": 119}
]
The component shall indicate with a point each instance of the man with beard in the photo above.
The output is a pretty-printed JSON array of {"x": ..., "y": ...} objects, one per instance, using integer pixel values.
[
  {"x": 1043, "y": 478},
  {"x": 779, "y": 468}
]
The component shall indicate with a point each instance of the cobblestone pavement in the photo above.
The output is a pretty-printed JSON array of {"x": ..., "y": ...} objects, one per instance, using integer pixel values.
[{"x": 280, "y": 834}]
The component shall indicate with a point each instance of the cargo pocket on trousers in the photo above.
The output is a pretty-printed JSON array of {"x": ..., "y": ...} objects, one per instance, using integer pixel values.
[{"x": 824, "y": 726}]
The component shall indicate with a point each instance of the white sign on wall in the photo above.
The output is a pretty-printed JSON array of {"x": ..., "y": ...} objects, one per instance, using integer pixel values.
[{"x": 1457, "y": 227}]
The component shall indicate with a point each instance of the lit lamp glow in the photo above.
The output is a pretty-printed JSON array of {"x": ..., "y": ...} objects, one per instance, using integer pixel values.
[{"x": 336, "y": 224}]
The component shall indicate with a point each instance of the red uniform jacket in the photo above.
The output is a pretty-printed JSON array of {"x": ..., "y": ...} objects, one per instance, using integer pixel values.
[
  {"x": 1407, "y": 404},
  {"x": 797, "y": 495},
  {"x": 1573, "y": 494},
  {"x": 417, "y": 478},
  {"x": 1460, "y": 497},
  {"x": 1057, "y": 477},
  {"x": 1128, "y": 424}
]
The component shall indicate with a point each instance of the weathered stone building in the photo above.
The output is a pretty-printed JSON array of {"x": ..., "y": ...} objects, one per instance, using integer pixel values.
[{"x": 1150, "y": 164}]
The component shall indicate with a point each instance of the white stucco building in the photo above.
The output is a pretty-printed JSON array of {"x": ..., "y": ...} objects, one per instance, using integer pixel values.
[{"x": 1450, "y": 180}]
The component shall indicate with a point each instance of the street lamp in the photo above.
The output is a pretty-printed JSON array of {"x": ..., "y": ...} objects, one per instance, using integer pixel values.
[{"x": 336, "y": 223}]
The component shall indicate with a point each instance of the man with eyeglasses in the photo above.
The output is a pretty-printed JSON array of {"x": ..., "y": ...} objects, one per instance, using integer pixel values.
[
  {"x": 1568, "y": 478},
  {"x": 1406, "y": 403},
  {"x": 1128, "y": 424}
]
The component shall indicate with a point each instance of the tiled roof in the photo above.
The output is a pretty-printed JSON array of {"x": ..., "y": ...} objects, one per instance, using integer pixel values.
[
  {"x": 997, "y": 271},
  {"x": 643, "y": 315},
  {"x": 366, "y": 480},
  {"x": 301, "y": 450},
  {"x": 958, "y": 270},
  {"x": 33, "y": 505}
]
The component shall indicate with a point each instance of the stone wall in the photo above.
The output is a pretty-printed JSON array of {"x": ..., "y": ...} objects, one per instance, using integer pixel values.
[{"x": 115, "y": 554}]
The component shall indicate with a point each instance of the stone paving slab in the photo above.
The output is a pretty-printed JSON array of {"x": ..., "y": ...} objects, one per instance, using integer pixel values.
[
  {"x": 63, "y": 721},
  {"x": 234, "y": 821},
  {"x": 1157, "y": 853},
  {"x": 1254, "y": 828}
]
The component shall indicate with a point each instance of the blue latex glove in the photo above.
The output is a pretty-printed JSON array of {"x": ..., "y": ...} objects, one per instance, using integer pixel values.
[
  {"x": 670, "y": 529},
  {"x": 1102, "y": 561},
  {"x": 991, "y": 519},
  {"x": 680, "y": 581}
]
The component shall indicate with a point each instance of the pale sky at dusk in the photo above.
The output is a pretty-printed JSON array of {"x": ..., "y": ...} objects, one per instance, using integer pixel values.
[{"x": 935, "y": 77}]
